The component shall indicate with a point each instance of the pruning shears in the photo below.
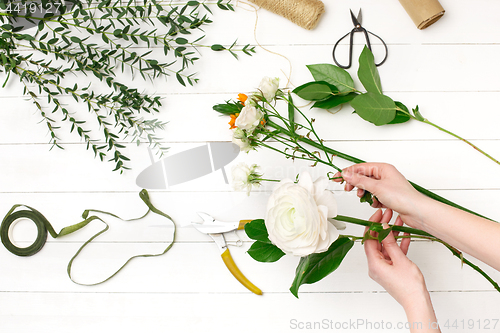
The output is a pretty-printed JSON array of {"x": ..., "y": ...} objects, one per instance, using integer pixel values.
[{"x": 216, "y": 230}]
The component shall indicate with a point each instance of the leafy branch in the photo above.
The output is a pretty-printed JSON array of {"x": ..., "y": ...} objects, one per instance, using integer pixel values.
[
  {"x": 333, "y": 86},
  {"x": 99, "y": 40}
]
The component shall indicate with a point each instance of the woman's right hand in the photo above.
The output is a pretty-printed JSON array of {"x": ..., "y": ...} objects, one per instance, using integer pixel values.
[{"x": 388, "y": 185}]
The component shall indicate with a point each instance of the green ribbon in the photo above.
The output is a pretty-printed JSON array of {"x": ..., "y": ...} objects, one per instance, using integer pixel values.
[{"x": 43, "y": 225}]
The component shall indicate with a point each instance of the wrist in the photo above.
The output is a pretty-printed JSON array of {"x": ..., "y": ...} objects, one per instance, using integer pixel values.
[
  {"x": 417, "y": 207},
  {"x": 420, "y": 313}
]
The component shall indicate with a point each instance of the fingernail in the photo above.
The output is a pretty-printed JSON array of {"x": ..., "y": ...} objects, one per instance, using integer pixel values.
[
  {"x": 385, "y": 225},
  {"x": 346, "y": 175}
]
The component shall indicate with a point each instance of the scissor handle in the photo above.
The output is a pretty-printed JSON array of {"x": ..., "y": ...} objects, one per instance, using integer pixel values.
[
  {"x": 350, "y": 51},
  {"x": 385, "y": 46},
  {"x": 228, "y": 260},
  {"x": 351, "y": 40},
  {"x": 242, "y": 224}
]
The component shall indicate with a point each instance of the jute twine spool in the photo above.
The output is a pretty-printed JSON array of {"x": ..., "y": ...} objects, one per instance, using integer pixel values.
[{"x": 304, "y": 13}]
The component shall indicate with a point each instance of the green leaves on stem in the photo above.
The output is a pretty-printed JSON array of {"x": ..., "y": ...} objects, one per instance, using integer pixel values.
[
  {"x": 262, "y": 249},
  {"x": 310, "y": 269},
  {"x": 100, "y": 39},
  {"x": 373, "y": 106}
]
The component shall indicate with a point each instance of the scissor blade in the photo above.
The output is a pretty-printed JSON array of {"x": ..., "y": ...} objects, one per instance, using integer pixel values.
[
  {"x": 356, "y": 20},
  {"x": 215, "y": 229}
]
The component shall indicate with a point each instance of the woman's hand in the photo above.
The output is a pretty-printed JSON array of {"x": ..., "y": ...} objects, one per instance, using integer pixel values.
[{"x": 388, "y": 185}]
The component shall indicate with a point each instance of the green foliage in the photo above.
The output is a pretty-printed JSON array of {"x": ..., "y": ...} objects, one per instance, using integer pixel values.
[
  {"x": 367, "y": 197},
  {"x": 317, "y": 266},
  {"x": 379, "y": 229},
  {"x": 228, "y": 108},
  {"x": 368, "y": 73},
  {"x": 334, "y": 75},
  {"x": 402, "y": 114},
  {"x": 375, "y": 108},
  {"x": 334, "y": 101},
  {"x": 316, "y": 91},
  {"x": 256, "y": 230},
  {"x": 262, "y": 249},
  {"x": 265, "y": 252},
  {"x": 100, "y": 40}
]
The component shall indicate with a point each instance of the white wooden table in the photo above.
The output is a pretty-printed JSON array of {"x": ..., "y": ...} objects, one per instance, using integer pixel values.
[{"x": 451, "y": 70}]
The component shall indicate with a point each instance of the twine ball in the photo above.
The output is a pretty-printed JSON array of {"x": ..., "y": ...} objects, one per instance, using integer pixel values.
[{"x": 304, "y": 13}]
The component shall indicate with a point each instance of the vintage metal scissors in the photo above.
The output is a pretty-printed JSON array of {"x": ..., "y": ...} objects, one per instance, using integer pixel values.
[
  {"x": 357, "y": 28},
  {"x": 216, "y": 230}
]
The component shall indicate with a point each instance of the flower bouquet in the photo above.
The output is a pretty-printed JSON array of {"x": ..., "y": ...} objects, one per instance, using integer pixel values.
[{"x": 301, "y": 218}]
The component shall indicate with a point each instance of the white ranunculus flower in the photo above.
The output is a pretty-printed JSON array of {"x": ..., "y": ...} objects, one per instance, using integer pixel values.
[
  {"x": 249, "y": 118},
  {"x": 269, "y": 87},
  {"x": 241, "y": 140},
  {"x": 297, "y": 216},
  {"x": 245, "y": 177}
]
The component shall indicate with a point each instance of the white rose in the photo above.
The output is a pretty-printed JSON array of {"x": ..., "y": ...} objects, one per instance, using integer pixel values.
[
  {"x": 269, "y": 87},
  {"x": 249, "y": 118},
  {"x": 297, "y": 216},
  {"x": 241, "y": 140},
  {"x": 245, "y": 177}
]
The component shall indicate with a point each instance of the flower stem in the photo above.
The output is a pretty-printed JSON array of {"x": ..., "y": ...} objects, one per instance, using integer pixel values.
[
  {"x": 462, "y": 139},
  {"x": 267, "y": 180},
  {"x": 423, "y": 235},
  {"x": 357, "y": 160},
  {"x": 365, "y": 223}
]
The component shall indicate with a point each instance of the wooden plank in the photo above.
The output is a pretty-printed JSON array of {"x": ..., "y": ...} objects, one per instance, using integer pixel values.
[{"x": 209, "y": 312}]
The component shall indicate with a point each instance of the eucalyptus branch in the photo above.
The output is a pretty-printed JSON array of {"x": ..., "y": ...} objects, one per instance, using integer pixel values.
[{"x": 66, "y": 38}]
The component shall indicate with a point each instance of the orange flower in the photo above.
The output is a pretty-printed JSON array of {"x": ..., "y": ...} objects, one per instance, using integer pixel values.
[
  {"x": 242, "y": 98},
  {"x": 232, "y": 121}
]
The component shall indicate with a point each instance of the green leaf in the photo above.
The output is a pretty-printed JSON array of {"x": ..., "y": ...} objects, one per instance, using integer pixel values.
[
  {"x": 334, "y": 101},
  {"x": 337, "y": 76},
  {"x": 265, "y": 252},
  {"x": 181, "y": 41},
  {"x": 383, "y": 234},
  {"x": 317, "y": 266},
  {"x": 401, "y": 117},
  {"x": 375, "y": 108},
  {"x": 367, "y": 197},
  {"x": 217, "y": 47},
  {"x": 315, "y": 91},
  {"x": 256, "y": 230},
  {"x": 368, "y": 73},
  {"x": 228, "y": 108}
]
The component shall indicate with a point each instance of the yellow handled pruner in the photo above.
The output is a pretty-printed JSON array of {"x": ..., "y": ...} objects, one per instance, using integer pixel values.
[{"x": 216, "y": 230}]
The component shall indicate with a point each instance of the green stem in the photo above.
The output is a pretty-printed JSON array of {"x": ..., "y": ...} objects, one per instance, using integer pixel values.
[
  {"x": 267, "y": 180},
  {"x": 462, "y": 139},
  {"x": 365, "y": 223},
  {"x": 424, "y": 235}
]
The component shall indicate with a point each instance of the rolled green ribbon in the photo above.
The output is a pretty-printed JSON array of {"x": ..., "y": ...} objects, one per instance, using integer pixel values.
[{"x": 44, "y": 226}]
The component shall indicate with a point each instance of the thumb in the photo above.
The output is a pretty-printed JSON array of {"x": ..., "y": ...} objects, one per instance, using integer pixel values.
[
  {"x": 391, "y": 246},
  {"x": 358, "y": 180}
]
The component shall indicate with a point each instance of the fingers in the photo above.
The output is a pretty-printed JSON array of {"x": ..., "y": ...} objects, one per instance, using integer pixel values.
[
  {"x": 392, "y": 249},
  {"x": 372, "y": 247},
  {"x": 363, "y": 176},
  {"x": 405, "y": 244},
  {"x": 371, "y": 170}
]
